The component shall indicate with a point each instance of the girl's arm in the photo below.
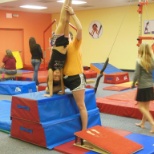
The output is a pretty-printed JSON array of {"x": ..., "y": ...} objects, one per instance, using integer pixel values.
[
  {"x": 62, "y": 84},
  {"x": 50, "y": 83}
]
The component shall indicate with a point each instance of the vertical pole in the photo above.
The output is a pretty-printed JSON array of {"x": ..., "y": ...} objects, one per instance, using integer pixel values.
[{"x": 140, "y": 20}]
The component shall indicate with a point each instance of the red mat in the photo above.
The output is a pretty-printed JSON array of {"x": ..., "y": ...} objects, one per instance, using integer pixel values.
[
  {"x": 90, "y": 74},
  {"x": 122, "y": 104},
  {"x": 119, "y": 87},
  {"x": 69, "y": 148},
  {"x": 42, "y": 76},
  {"x": 109, "y": 141},
  {"x": 116, "y": 88}
]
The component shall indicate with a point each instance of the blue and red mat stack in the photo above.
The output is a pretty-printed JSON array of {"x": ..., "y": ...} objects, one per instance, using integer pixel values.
[
  {"x": 49, "y": 122},
  {"x": 122, "y": 143}
]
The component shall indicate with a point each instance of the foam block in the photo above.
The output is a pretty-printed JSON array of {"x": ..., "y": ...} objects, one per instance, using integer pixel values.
[
  {"x": 115, "y": 78},
  {"x": 90, "y": 74},
  {"x": 109, "y": 69},
  {"x": 52, "y": 133},
  {"x": 36, "y": 107},
  {"x": 12, "y": 87}
]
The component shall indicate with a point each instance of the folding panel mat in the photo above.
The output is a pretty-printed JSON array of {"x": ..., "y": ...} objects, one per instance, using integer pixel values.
[
  {"x": 36, "y": 107},
  {"x": 116, "y": 88},
  {"x": 119, "y": 87},
  {"x": 5, "y": 122},
  {"x": 70, "y": 148},
  {"x": 108, "y": 141},
  {"x": 52, "y": 133},
  {"x": 109, "y": 69},
  {"x": 122, "y": 104},
  {"x": 146, "y": 141},
  {"x": 12, "y": 87}
]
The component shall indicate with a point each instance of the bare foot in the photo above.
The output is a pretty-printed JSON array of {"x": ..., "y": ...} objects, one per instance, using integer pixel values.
[
  {"x": 152, "y": 129},
  {"x": 139, "y": 125}
]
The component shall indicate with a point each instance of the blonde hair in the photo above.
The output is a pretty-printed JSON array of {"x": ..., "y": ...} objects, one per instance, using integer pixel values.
[
  {"x": 145, "y": 57},
  {"x": 9, "y": 53}
]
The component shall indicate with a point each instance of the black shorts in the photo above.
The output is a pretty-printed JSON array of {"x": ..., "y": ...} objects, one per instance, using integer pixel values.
[
  {"x": 145, "y": 95},
  {"x": 59, "y": 40},
  {"x": 75, "y": 82}
]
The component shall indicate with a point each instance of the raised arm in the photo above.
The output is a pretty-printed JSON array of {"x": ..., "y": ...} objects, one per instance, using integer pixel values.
[{"x": 76, "y": 21}]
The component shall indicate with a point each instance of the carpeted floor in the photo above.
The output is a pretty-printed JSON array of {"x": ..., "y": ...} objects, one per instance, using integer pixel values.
[{"x": 9, "y": 145}]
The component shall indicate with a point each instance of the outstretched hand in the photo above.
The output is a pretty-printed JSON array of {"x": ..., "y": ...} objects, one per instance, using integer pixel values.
[{"x": 70, "y": 10}]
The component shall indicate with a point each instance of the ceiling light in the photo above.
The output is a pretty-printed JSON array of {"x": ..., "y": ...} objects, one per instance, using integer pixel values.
[
  {"x": 73, "y": 2},
  {"x": 33, "y": 7}
]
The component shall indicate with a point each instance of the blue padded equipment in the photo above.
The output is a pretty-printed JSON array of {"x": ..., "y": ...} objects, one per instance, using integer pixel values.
[
  {"x": 5, "y": 122},
  {"x": 11, "y": 87},
  {"x": 145, "y": 140}
]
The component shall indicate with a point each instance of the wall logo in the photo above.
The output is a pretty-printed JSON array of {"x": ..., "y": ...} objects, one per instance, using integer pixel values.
[
  {"x": 17, "y": 89},
  {"x": 95, "y": 29}
]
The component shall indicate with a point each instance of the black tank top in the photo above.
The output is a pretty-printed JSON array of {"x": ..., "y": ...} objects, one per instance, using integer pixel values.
[{"x": 57, "y": 60}]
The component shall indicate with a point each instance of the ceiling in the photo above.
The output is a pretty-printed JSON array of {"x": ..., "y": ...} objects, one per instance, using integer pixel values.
[{"x": 54, "y": 7}]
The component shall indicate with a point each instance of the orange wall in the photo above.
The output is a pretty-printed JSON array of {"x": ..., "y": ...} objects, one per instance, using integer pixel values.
[{"x": 31, "y": 24}]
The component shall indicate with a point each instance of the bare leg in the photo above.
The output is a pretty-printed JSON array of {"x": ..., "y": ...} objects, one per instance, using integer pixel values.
[
  {"x": 144, "y": 108},
  {"x": 79, "y": 98},
  {"x": 141, "y": 124},
  {"x": 64, "y": 19}
]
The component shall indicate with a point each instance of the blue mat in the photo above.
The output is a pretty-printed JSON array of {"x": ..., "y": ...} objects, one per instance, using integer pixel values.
[
  {"x": 109, "y": 69},
  {"x": 146, "y": 141},
  {"x": 5, "y": 122},
  {"x": 12, "y": 87},
  {"x": 38, "y": 108},
  {"x": 24, "y": 71}
]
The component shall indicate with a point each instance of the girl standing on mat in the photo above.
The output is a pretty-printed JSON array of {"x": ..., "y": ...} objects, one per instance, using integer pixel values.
[
  {"x": 73, "y": 69},
  {"x": 143, "y": 77},
  {"x": 59, "y": 48}
]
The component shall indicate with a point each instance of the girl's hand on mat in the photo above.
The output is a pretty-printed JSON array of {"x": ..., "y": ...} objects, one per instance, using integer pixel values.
[
  {"x": 47, "y": 95},
  {"x": 61, "y": 93}
]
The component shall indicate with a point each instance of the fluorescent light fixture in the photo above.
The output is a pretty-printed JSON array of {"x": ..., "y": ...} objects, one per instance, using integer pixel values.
[
  {"x": 73, "y": 2},
  {"x": 33, "y": 7},
  {"x": 5, "y": 1}
]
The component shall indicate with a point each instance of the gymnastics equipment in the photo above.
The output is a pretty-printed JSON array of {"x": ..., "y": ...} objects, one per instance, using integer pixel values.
[
  {"x": 145, "y": 140},
  {"x": 11, "y": 87},
  {"x": 55, "y": 118},
  {"x": 69, "y": 147},
  {"x": 17, "y": 56},
  {"x": 5, "y": 121},
  {"x": 100, "y": 139},
  {"x": 119, "y": 87},
  {"x": 115, "y": 78},
  {"x": 122, "y": 104},
  {"x": 90, "y": 74}
]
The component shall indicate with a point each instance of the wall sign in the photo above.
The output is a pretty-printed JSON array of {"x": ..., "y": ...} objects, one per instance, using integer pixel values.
[
  {"x": 149, "y": 27},
  {"x": 95, "y": 29}
]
